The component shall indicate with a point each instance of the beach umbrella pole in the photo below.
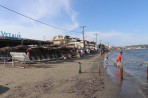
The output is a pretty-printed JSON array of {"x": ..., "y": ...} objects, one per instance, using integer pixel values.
[{"x": 4, "y": 61}]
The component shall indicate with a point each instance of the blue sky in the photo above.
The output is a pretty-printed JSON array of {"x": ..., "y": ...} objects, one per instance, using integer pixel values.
[{"x": 119, "y": 22}]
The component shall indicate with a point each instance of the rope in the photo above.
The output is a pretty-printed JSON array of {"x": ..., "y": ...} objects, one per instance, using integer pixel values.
[{"x": 127, "y": 62}]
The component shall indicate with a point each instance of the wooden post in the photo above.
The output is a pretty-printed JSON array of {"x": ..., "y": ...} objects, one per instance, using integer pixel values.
[
  {"x": 99, "y": 71},
  {"x": 147, "y": 72},
  {"x": 121, "y": 72},
  {"x": 99, "y": 68},
  {"x": 79, "y": 67}
]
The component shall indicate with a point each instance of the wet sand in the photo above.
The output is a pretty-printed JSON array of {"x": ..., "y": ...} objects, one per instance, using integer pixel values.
[
  {"x": 59, "y": 80},
  {"x": 129, "y": 86}
]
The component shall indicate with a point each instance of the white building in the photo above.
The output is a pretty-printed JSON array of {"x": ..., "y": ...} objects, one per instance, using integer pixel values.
[{"x": 72, "y": 42}]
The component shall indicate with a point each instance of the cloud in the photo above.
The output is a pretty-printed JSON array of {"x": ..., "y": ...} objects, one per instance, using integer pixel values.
[
  {"x": 71, "y": 13},
  {"x": 33, "y": 32},
  {"x": 51, "y": 12},
  {"x": 117, "y": 38}
]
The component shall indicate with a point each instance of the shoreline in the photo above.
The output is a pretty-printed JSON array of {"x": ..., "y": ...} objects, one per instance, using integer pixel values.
[{"x": 129, "y": 86}]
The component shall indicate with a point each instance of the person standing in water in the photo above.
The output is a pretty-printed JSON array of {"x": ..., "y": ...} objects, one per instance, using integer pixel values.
[{"x": 119, "y": 58}]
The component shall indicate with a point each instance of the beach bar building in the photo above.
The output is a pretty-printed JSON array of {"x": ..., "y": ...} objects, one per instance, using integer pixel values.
[{"x": 11, "y": 40}]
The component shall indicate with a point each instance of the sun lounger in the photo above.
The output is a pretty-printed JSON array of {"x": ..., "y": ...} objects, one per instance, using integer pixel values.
[{"x": 19, "y": 56}]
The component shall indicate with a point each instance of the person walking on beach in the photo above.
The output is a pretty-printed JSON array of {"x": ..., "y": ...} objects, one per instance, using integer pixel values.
[
  {"x": 28, "y": 53},
  {"x": 105, "y": 62},
  {"x": 119, "y": 58}
]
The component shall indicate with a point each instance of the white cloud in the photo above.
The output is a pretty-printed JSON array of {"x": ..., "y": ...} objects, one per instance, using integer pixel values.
[
  {"x": 33, "y": 32},
  {"x": 116, "y": 38},
  {"x": 44, "y": 10},
  {"x": 71, "y": 13},
  {"x": 51, "y": 10}
]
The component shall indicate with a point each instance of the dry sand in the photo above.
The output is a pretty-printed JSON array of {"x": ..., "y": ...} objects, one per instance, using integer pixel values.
[{"x": 58, "y": 80}]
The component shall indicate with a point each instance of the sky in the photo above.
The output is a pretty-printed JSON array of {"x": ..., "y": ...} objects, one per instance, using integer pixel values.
[{"x": 116, "y": 22}]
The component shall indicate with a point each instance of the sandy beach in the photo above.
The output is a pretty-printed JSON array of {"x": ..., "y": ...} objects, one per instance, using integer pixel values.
[{"x": 58, "y": 80}]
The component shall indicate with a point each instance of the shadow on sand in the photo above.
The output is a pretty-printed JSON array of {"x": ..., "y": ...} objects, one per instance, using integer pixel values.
[{"x": 3, "y": 89}]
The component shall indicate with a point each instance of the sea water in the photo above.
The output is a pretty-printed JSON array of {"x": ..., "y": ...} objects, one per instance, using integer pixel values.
[{"x": 134, "y": 63}]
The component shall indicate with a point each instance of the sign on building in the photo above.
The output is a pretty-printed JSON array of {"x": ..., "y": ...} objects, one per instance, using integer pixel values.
[{"x": 10, "y": 35}]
